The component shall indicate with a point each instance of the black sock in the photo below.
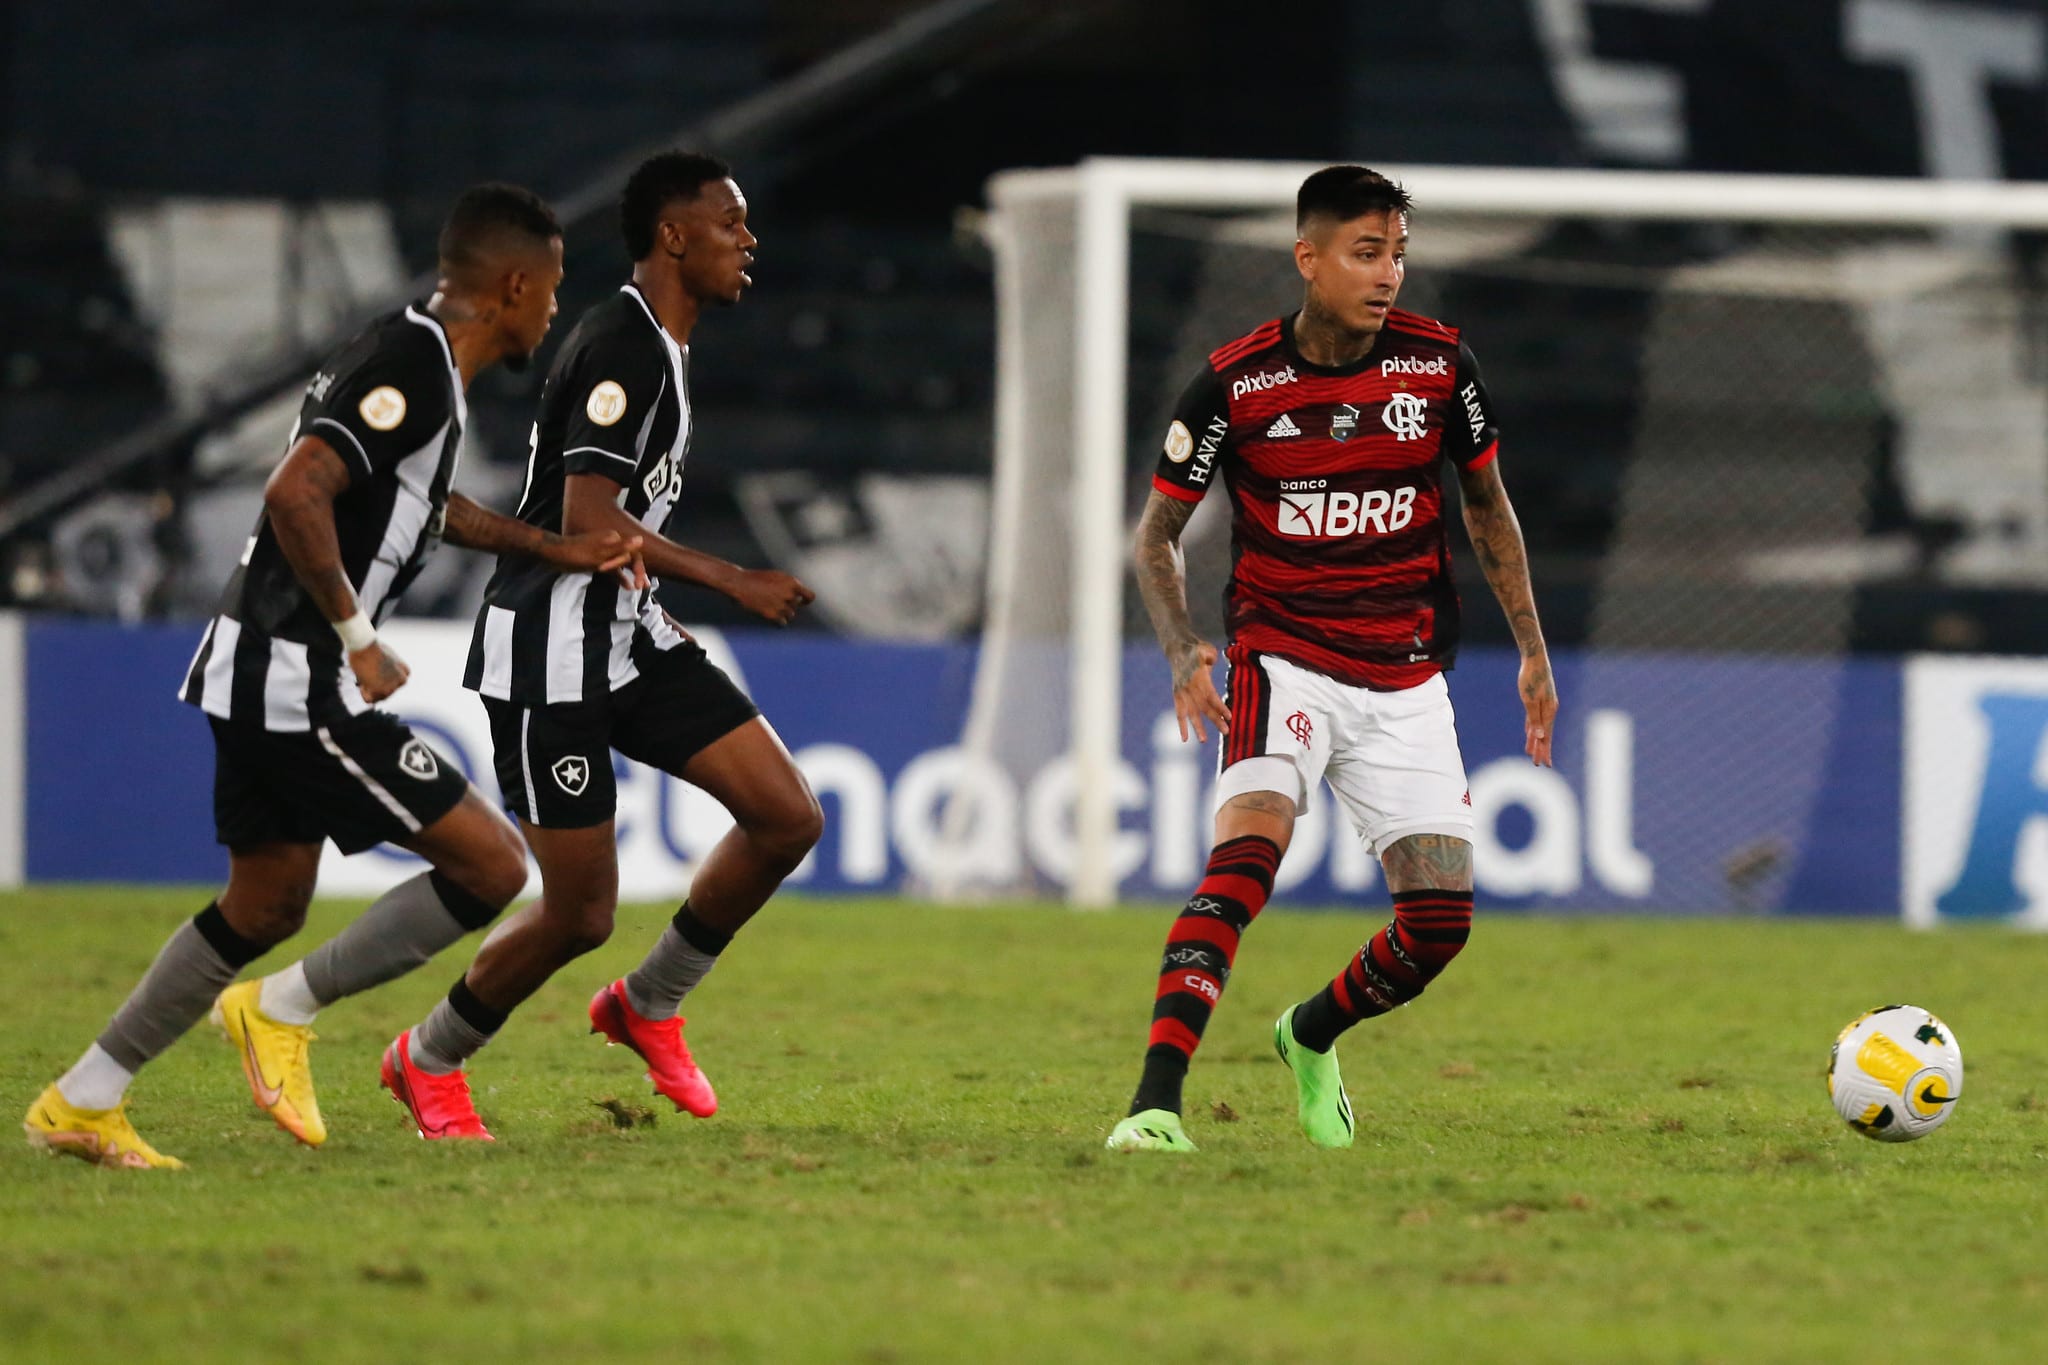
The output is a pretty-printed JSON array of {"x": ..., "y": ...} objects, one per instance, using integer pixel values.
[
  {"x": 473, "y": 1011},
  {"x": 1318, "y": 1020},
  {"x": 1159, "y": 1084},
  {"x": 236, "y": 951},
  {"x": 699, "y": 935}
]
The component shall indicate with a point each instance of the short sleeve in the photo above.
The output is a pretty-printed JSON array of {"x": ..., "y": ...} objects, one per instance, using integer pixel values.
[
  {"x": 1195, "y": 439},
  {"x": 609, "y": 395},
  {"x": 1471, "y": 432},
  {"x": 392, "y": 404}
]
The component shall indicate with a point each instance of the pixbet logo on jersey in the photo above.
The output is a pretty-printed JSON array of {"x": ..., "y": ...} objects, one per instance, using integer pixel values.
[
  {"x": 1254, "y": 383},
  {"x": 1408, "y": 364},
  {"x": 1316, "y": 514}
]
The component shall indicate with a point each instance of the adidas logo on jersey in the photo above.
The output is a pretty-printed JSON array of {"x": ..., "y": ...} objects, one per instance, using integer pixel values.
[{"x": 1282, "y": 426}]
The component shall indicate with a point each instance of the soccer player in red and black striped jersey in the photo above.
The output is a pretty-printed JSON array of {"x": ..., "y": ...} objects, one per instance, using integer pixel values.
[{"x": 1330, "y": 430}]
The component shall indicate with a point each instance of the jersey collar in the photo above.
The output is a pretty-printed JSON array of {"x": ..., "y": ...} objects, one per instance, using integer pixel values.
[
  {"x": 416, "y": 313},
  {"x": 675, "y": 352},
  {"x": 1358, "y": 366}
]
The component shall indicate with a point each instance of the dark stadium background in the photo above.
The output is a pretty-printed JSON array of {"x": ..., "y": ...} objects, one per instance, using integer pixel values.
[{"x": 868, "y": 343}]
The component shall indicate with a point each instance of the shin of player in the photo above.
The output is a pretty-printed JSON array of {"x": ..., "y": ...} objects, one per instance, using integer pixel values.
[
  {"x": 1330, "y": 428},
  {"x": 571, "y": 674},
  {"x": 289, "y": 674}
]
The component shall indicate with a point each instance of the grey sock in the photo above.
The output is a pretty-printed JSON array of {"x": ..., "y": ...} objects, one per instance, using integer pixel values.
[
  {"x": 402, "y": 929},
  {"x": 672, "y": 970},
  {"x": 457, "y": 1030},
  {"x": 196, "y": 964}
]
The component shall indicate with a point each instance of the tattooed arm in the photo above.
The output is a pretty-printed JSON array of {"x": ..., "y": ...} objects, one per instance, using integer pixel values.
[
  {"x": 1497, "y": 541},
  {"x": 299, "y": 502},
  {"x": 1162, "y": 582},
  {"x": 476, "y": 527}
]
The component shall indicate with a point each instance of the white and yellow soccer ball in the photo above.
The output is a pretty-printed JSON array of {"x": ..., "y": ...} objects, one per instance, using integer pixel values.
[{"x": 1895, "y": 1073}]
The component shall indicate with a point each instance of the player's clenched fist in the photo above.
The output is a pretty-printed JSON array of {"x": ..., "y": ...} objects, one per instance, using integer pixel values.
[
  {"x": 1194, "y": 691},
  {"x": 379, "y": 672},
  {"x": 773, "y": 595}
]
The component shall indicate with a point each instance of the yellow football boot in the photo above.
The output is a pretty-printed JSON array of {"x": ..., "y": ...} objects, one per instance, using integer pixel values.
[
  {"x": 101, "y": 1136},
  {"x": 273, "y": 1061}
]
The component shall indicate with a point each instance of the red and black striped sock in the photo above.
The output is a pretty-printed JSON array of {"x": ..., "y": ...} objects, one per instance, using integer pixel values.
[
  {"x": 1428, "y": 929},
  {"x": 1199, "y": 951}
]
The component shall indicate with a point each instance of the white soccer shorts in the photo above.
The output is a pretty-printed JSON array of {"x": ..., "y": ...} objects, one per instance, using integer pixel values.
[{"x": 1391, "y": 757}]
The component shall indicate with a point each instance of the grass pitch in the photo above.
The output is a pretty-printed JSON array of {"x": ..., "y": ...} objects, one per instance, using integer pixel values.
[{"x": 1593, "y": 1139}]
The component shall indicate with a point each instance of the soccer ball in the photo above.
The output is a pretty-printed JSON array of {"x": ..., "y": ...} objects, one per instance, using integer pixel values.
[{"x": 1895, "y": 1073}]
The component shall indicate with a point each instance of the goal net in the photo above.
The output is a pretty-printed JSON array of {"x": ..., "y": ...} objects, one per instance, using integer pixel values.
[{"x": 1730, "y": 405}]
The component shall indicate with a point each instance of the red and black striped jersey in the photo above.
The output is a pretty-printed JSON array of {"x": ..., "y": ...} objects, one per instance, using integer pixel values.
[{"x": 1340, "y": 557}]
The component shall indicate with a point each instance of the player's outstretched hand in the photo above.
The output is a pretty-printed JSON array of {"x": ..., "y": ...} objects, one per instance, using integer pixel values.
[
  {"x": 1194, "y": 691},
  {"x": 601, "y": 552},
  {"x": 1539, "y": 699},
  {"x": 379, "y": 672},
  {"x": 772, "y": 595}
]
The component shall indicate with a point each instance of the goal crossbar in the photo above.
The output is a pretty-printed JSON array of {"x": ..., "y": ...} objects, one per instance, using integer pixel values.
[{"x": 1637, "y": 195}]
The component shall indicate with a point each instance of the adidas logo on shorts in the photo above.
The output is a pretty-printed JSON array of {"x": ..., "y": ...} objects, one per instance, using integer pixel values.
[{"x": 1283, "y": 425}]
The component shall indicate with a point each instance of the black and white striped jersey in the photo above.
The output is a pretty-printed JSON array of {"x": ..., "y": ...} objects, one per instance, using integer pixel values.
[
  {"x": 390, "y": 404},
  {"x": 616, "y": 403}
]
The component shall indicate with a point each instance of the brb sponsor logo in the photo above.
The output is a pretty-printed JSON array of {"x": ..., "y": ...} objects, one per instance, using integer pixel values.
[
  {"x": 1257, "y": 383},
  {"x": 1310, "y": 512},
  {"x": 1408, "y": 364}
]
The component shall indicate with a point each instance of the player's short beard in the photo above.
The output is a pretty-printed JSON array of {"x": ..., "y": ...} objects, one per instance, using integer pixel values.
[{"x": 518, "y": 361}]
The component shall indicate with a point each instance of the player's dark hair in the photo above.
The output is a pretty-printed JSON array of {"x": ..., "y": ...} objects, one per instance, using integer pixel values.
[
  {"x": 656, "y": 183},
  {"x": 488, "y": 218},
  {"x": 1346, "y": 192}
]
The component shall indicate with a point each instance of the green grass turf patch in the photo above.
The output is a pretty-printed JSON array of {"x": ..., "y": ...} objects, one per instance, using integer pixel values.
[{"x": 1593, "y": 1139}]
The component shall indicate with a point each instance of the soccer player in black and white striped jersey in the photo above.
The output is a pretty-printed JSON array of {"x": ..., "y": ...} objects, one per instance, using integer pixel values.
[
  {"x": 289, "y": 675},
  {"x": 571, "y": 669}
]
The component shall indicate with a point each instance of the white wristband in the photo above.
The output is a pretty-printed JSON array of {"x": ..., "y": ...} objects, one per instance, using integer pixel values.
[{"x": 357, "y": 633}]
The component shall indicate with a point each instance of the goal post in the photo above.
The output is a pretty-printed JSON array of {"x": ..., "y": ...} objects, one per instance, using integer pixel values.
[{"x": 1068, "y": 450}]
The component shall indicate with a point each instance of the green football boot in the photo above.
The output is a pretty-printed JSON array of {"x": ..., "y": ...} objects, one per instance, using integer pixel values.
[
  {"x": 1150, "y": 1130},
  {"x": 1324, "y": 1107}
]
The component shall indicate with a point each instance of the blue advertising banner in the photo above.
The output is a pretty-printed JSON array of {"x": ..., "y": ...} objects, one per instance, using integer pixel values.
[
  {"x": 1976, "y": 803},
  {"x": 1681, "y": 784}
]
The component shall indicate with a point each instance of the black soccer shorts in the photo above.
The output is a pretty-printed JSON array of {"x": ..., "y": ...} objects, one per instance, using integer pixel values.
[
  {"x": 364, "y": 781},
  {"x": 555, "y": 762}
]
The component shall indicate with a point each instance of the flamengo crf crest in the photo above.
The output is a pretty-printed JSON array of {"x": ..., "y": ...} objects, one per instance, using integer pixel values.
[
  {"x": 572, "y": 774},
  {"x": 1404, "y": 415},
  {"x": 417, "y": 760}
]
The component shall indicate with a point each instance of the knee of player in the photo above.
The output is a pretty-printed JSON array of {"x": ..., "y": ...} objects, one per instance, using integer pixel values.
[
  {"x": 794, "y": 829},
  {"x": 502, "y": 876},
  {"x": 279, "y": 915},
  {"x": 590, "y": 934},
  {"x": 585, "y": 925}
]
